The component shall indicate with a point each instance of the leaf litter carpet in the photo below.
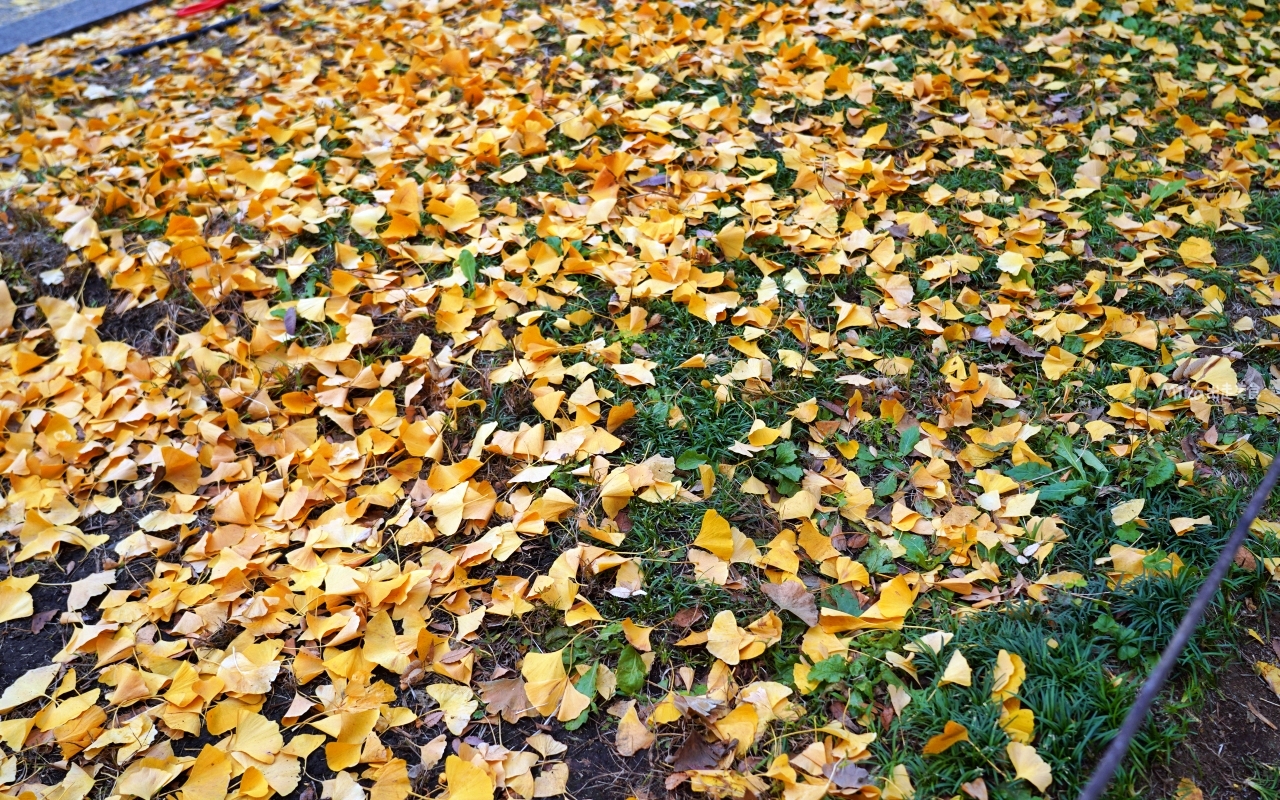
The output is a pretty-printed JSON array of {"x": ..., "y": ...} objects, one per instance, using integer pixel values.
[{"x": 416, "y": 399}]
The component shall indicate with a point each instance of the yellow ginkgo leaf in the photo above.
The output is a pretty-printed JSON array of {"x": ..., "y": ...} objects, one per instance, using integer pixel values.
[
  {"x": 364, "y": 220},
  {"x": 637, "y": 635},
  {"x": 1012, "y": 263},
  {"x": 1127, "y": 511},
  {"x": 457, "y": 702},
  {"x": 1099, "y": 430},
  {"x": 1057, "y": 362},
  {"x": 31, "y": 684},
  {"x": 390, "y": 781},
  {"x": 888, "y": 613},
  {"x": 715, "y": 535},
  {"x": 457, "y": 215},
  {"x": 1269, "y": 673},
  {"x": 633, "y": 736},
  {"x": 731, "y": 239},
  {"x": 1018, "y": 723},
  {"x": 873, "y": 135},
  {"x": 572, "y": 704},
  {"x": 897, "y": 785},
  {"x": 209, "y": 777},
  {"x": 145, "y": 777},
  {"x": 251, "y": 669},
  {"x": 81, "y": 234},
  {"x": 1009, "y": 675},
  {"x": 1268, "y": 403},
  {"x": 181, "y": 469},
  {"x": 1181, "y": 525},
  {"x": 957, "y": 671},
  {"x": 1029, "y": 766},
  {"x": 257, "y": 737},
  {"x": 725, "y": 640},
  {"x": 15, "y": 600},
  {"x": 545, "y": 681},
  {"x": 552, "y": 780},
  {"x": 740, "y": 725},
  {"x": 762, "y": 435},
  {"x": 380, "y": 643},
  {"x": 1196, "y": 251},
  {"x": 465, "y": 781},
  {"x": 513, "y": 175},
  {"x": 343, "y": 786}
]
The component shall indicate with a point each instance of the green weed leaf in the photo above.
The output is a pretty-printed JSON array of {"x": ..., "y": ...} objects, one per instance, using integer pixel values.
[
  {"x": 631, "y": 672},
  {"x": 467, "y": 263}
]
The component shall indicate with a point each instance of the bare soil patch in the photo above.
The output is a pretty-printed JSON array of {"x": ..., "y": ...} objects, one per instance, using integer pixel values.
[{"x": 1235, "y": 734}]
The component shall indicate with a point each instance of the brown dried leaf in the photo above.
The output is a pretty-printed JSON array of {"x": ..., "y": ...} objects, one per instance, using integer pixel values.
[{"x": 794, "y": 597}]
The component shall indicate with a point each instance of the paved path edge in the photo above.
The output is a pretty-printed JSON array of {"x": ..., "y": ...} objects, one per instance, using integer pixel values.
[{"x": 63, "y": 19}]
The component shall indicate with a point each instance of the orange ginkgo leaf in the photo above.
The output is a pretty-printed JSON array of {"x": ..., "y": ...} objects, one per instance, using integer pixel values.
[
  {"x": 952, "y": 733},
  {"x": 181, "y": 469}
]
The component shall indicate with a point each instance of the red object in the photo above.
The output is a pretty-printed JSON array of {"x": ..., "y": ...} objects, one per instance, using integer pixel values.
[{"x": 201, "y": 7}]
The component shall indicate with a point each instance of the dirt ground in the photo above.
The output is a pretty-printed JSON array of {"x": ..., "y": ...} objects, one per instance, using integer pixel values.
[
  {"x": 34, "y": 641},
  {"x": 1235, "y": 734}
]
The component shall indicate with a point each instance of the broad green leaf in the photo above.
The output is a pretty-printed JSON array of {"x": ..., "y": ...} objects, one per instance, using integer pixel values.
[
  {"x": 690, "y": 459},
  {"x": 829, "y": 670},
  {"x": 910, "y": 437},
  {"x": 844, "y": 600},
  {"x": 1163, "y": 191},
  {"x": 1160, "y": 472},
  {"x": 631, "y": 672},
  {"x": 1060, "y": 490},
  {"x": 917, "y": 549}
]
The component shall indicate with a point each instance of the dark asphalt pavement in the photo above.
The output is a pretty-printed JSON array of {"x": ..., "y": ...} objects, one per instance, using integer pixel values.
[{"x": 32, "y": 21}]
